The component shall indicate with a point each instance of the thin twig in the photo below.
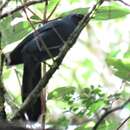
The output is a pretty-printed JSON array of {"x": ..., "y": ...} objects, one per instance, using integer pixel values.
[
  {"x": 37, "y": 33},
  {"x": 53, "y": 10},
  {"x": 2, "y": 89},
  {"x": 109, "y": 112},
  {"x": 50, "y": 13},
  {"x": 11, "y": 101},
  {"x": 4, "y": 5},
  {"x": 33, "y": 13},
  {"x": 45, "y": 11},
  {"x": 43, "y": 94},
  {"x": 49, "y": 65},
  {"x": 17, "y": 75},
  {"x": 123, "y": 2},
  {"x": 20, "y": 8},
  {"x": 123, "y": 122}
]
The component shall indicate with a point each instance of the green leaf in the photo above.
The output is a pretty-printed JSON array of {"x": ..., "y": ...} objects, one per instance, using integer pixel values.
[
  {"x": 120, "y": 67},
  {"x": 38, "y": 9},
  {"x": 11, "y": 33},
  {"x": 88, "y": 68},
  {"x": 96, "y": 91},
  {"x": 96, "y": 106},
  {"x": 86, "y": 126},
  {"x": 7, "y": 73},
  {"x": 74, "y": 1},
  {"x": 110, "y": 124},
  {"x": 52, "y": 4},
  {"x": 103, "y": 13},
  {"x": 61, "y": 92},
  {"x": 77, "y": 10},
  {"x": 127, "y": 55},
  {"x": 111, "y": 12}
]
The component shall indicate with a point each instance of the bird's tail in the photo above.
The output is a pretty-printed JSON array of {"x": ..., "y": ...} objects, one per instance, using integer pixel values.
[{"x": 30, "y": 80}]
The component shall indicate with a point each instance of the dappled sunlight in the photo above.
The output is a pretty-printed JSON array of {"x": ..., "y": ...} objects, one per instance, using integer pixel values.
[{"x": 94, "y": 75}]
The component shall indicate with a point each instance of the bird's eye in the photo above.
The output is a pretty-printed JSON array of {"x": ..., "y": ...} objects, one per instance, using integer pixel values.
[{"x": 80, "y": 16}]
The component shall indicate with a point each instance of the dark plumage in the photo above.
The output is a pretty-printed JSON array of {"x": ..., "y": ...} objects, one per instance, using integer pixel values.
[{"x": 31, "y": 52}]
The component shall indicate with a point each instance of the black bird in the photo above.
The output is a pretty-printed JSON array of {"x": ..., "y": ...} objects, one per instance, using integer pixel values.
[{"x": 31, "y": 51}]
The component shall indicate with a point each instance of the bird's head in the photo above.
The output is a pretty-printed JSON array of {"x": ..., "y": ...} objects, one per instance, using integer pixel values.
[{"x": 76, "y": 18}]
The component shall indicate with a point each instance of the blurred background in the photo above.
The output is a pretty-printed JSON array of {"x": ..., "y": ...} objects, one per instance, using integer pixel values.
[{"x": 94, "y": 76}]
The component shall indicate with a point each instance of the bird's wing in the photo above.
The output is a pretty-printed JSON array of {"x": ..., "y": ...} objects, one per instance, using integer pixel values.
[
  {"x": 43, "y": 29},
  {"x": 16, "y": 53}
]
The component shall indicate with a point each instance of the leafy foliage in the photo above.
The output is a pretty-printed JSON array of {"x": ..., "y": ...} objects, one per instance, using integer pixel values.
[
  {"x": 120, "y": 67},
  {"x": 112, "y": 11},
  {"x": 87, "y": 90},
  {"x": 73, "y": 1},
  {"x": 12, "y": 33},
  {"x": 61, "y": 93},
  {"x": 90, "y": 98}
]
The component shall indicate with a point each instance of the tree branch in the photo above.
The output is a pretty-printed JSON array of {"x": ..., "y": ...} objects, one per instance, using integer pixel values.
[
  {"x": 123, "y": 2},
  {"x": 4, "y": 5},
  {"x": 123, "y": 122},
  {"x": 109, "y": 112},
  {"x": 20, "y": 8}
]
